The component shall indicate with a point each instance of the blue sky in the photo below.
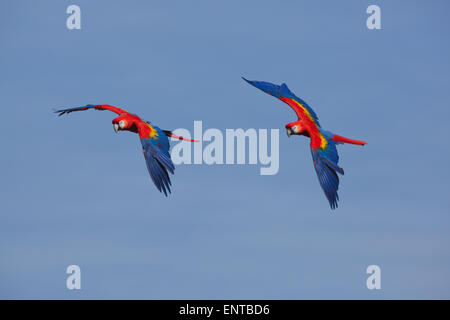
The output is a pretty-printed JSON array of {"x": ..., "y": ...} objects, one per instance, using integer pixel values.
[{"x": 73, "y": 192}]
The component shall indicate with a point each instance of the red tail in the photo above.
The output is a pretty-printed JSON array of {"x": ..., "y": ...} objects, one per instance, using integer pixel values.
[
  {"x": 347, "y": 140},
  {"x": 170, "y": 134}
]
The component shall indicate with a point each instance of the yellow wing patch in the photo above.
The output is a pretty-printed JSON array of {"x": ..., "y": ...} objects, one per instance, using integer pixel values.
[
  {"x": 153, "y": 133},
  {"x": 304, "y": 110},
  {"x": 323, "y": 142}
]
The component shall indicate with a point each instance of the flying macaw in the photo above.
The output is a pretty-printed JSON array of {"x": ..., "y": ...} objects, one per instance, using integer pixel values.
[
  {"x": 323, "y": 142},
  {"x": 155, "y": 144}
]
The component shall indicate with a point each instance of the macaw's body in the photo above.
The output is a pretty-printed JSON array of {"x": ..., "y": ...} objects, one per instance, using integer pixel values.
[
  {"x": 323, "y": 143},
  {"x": 155, "y": 144}
]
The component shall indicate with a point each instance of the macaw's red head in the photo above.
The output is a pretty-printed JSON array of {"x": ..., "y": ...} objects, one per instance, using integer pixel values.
[
  {"x": 122, "y": 123},
  {"x": 294, "y": 128}
]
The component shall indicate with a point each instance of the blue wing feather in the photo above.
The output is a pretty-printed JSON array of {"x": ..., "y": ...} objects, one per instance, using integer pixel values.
[
  {"x": 326, "y": 166},
  {"x": 157, "y": 158},
  {"x": 69, "y": 110},
  {"x": 282, "y": 91},
  {"x": 328, "y": 179}
]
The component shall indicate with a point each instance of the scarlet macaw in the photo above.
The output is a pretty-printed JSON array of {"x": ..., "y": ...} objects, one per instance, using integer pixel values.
[
  {"x": 155, "y": 144},
  {"x": 323, "y": 142}
]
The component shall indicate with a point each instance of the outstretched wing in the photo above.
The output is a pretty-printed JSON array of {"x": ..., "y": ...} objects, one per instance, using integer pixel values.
[
  {"x": 91, "y": 106},
  {"x": 325, "y": 159},
  {"x": 301, "y": 108},
  {"x": 155, "y": 146}
]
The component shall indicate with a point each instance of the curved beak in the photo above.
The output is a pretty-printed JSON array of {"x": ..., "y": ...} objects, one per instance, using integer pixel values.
[
  {"x": 288, "y": 132},
  {"x": 116, "y": 127}
]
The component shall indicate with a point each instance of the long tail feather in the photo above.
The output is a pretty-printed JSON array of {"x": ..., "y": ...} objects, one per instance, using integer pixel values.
[
  {"x": 338, "y": 138},
  {"x": 170, "y": 134}
]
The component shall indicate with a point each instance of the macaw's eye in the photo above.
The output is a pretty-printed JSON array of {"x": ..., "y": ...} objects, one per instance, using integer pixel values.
[
  {"x": 295, "y": 129},
  {"x": 122, "y": 124}
]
